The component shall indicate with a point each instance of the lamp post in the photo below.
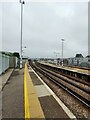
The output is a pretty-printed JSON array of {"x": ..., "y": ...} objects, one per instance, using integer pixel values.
[
  {"x": 62, "y": 50},
  {"x": 22, "y": 2},
  {"x": 23, "y": 50},
  {"x": 56, "y": 53}
]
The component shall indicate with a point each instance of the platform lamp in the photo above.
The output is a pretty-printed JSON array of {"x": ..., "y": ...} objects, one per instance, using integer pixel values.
[
  {"x": 22, "y": 3},
  {"x": 62, "y": 50},
  {"x": 23, "y": 50}
]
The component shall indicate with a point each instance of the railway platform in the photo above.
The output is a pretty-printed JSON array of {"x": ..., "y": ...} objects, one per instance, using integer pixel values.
[
  {"x": 72, "y": 71},
  {"x": 25, "y": 96},
  {"x": 12, "y": 97},
  {"x": 52, "y": 107},
  {"x": 4, "y": 78}
]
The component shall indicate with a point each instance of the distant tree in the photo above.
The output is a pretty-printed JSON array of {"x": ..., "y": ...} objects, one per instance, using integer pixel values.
[
  {"x": 7, "y": 53},
  {"x": 79, "y": 55},
  {"x": 3, "y": 52},
  {"x": 88, "y": 56},
  {"x": 16, "y": 54}
]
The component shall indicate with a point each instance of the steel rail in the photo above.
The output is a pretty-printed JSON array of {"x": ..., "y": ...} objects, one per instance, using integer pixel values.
[
  {"x": 62, "y": 86},
  {"x": 72, "y": 83}
]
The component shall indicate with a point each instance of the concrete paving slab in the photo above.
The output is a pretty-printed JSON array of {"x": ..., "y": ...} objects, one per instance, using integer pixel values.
[
  {"x": 35, "y": 109},
  {"x": 12, "y": 96},
  {"x": 34, "y": 78},
  {"x": 51, "y": 108},
  {"x": 51, "y": 105},
  {"x": 0, "y": 105},
  {"x": 67, "y": 111},
  {"x": 42, "y": 91},
  {"x": 4, "y": 78},
  {"x": 0, "y": 85}
]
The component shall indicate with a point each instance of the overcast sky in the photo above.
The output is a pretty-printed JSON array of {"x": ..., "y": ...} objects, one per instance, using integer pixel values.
[{"x": 44, "y": 24}]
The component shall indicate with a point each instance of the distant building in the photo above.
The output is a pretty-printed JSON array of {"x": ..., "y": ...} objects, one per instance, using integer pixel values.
[{"x": 79, "y": 61}]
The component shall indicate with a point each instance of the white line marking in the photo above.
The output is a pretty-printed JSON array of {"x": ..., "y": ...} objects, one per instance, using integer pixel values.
[{"x": 67, "y": 111}]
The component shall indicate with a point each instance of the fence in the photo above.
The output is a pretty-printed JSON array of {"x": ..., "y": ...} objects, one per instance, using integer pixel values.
[{"x": 7, "y": 62}]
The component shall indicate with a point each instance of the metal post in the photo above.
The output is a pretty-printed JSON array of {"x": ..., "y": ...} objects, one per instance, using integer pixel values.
[
  {"x": 22, "y": 2},
  {"x": 62, "y": 51},
  {"x": 56, "y": 58}
]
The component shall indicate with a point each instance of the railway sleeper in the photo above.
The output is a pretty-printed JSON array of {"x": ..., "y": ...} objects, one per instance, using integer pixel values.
[
  {"x": 69, "y": 81},
  {"x": 74, "y": 89}
]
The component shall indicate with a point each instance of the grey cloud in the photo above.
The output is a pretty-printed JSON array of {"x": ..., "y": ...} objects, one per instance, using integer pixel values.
[{"x": 44, "y": 24}]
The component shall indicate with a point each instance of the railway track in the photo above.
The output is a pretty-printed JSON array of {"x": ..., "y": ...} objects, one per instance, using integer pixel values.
[
  {"x": 78, "y": 84},
  {"x": 85, "y": 81},
  {"x": 77, "y": 89},
  {"x": 84, "y": 68}
]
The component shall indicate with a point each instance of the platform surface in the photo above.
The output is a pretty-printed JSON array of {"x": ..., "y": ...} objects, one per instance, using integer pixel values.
[
  {"x": 4, "y": 77},
  {"x": 12, "y": 97},
  {"x": 73, "y": 69},
  {"x": 49, "y": 105},
  {"x": 25, "y": 97}
]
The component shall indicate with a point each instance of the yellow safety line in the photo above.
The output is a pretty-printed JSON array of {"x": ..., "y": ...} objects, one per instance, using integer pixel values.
[
  {"x": 32, "y": 106},
  {"x": 26, "y": 102}
]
